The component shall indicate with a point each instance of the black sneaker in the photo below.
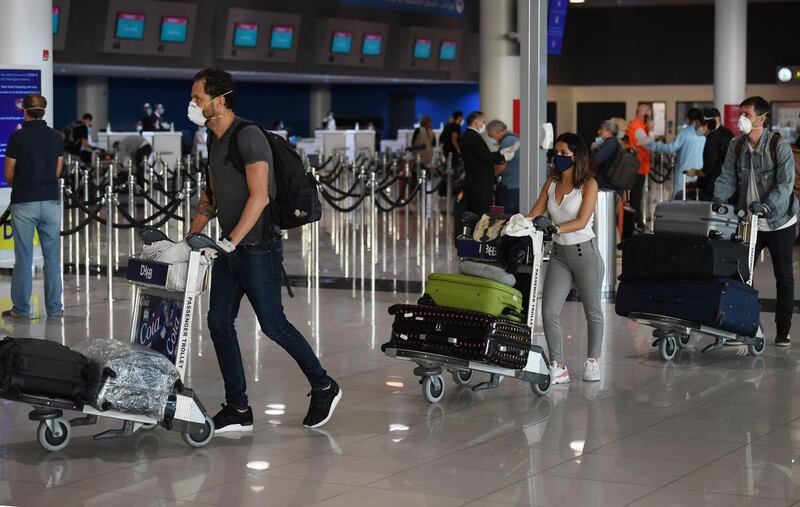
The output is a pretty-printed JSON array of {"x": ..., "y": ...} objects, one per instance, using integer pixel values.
[
  {"x": 323, "y": 403},
  {"x": 783, "y": 341},
  {"x": 230, "y": 419}
]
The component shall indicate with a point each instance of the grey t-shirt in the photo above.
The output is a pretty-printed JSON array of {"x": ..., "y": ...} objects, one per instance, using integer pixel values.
[{"x": 230, "y": 185}]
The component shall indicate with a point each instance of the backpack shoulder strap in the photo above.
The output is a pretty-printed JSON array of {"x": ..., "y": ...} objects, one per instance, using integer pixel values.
[
  {"x": 773, "y": 147},
  {"x": 233, "y": 147}
]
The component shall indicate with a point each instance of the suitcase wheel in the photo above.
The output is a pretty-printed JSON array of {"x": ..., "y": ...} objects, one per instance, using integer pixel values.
[
  {"x": 54, "y": 434},
  {"x": 433, "y": 388}
]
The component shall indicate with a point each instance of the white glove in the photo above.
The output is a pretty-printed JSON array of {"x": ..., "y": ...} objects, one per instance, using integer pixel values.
[{"x": 508, "y": 153}]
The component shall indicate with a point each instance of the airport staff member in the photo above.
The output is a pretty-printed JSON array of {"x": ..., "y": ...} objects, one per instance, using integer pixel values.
[
  {"x": 688, "y": 145},
  {"x": 765, "y": 184},
  {"x": 34, "y": 157},
  {"x": 252, "y": 264},
  {"x": 479, "y": 164}
]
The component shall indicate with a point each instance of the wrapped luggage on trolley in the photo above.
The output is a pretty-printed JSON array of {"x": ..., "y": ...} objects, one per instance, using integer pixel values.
[{"x": 140, "y": 382}]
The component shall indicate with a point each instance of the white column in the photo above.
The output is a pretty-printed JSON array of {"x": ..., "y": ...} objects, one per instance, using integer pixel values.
[
  {"x": 25, "y": 34},
  {"x": 319, "y": 105},
  {"x": 532, "y": 27},
  {"x": 500, "y": 62},
  {"x": 730, "y": 52},
  {"x": 93, "y": 99}
]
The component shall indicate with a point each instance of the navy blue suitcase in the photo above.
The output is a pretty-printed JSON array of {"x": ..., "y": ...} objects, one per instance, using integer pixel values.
[{"x": 720, "y": 303}]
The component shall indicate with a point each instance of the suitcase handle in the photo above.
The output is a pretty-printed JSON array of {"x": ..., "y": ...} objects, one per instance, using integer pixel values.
[{"x": 513, "y": 313}]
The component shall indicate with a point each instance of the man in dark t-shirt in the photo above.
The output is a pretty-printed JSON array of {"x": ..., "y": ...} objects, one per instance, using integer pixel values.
[
  {"x": 450, "y": 135},
  {"x": 252, "y": 265},
  {"x": 34, "y": 157}
]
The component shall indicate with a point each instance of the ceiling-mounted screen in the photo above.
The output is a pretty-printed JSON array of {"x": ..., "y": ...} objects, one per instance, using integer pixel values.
[
  {"x": 245, "y": 35},
  {"x": 56, "y": 15},
  {"x": 371, "y": 45},
  {"x": 281, "y": 37},
  {"x": 342, "y": 43},
  {"x": 422, "y": 48},
  {"x": 130, "y": 26},
  {"x": 448, "y": 50},
  {"x": 173, "y": 29}
]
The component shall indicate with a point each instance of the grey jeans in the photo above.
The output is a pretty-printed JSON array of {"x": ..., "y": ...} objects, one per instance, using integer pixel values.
[{"x": 582, "y": 264}]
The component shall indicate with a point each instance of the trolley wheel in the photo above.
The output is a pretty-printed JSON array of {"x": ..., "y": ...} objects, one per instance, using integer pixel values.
[
  {"x": 146, "y": 427},
  {"x": 668, "y": 347},
  {"x": 462, "y": 378},
  {"x": 542, "y": 387},
  {"x": 758, "y": 348},
  {"x": 683, "y": 340},
  {"x": 51, "y": 442},
  {"x": 202, "y": 437},
  {"x": 433, "y": 388}
]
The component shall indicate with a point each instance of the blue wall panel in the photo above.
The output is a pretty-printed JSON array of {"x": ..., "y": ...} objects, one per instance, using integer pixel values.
[{"x": 64, "y": 101}]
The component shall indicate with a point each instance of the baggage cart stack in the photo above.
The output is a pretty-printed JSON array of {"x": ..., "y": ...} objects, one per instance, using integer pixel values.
[
  {"x": 693, "y": 276},
  {"x": 477, "y": 322}
]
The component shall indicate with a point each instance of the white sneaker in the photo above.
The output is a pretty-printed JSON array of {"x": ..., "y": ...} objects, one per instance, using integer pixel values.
[
  {"x": 591, "y": 370},
  {"x": 558, "y": 374}
]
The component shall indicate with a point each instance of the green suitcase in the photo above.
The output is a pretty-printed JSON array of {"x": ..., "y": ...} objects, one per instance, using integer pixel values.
[{"x": 465, "y": 292}]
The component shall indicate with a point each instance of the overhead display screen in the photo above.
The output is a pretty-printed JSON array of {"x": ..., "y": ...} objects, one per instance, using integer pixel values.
[
  {"x": 281, "y": 37},
  {"x": 371, "y": 45},
  {"x": 56, "y": 15},
  {"x": 422, "y": 48},
  {"x": 245, "y": 35},
  {"x": 130, "y": 26},
  {"x": 14, "y": 85},
  {"x": 173, "y": 29},
  {"x": 447, "y": 51},
  {"x": 342, "y": 43}
]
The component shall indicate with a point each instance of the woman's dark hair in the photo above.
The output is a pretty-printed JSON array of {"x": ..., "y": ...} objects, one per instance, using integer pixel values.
[
  {"x": 578, "y": 147},
  {"x": 457, "y": 114},
  {"x": 216, "y": 82}
]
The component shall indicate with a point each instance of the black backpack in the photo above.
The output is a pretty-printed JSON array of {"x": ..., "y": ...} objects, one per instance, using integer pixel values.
[
  {"x": 624, "y": 169},
  {"x": 296, "y": 202}
]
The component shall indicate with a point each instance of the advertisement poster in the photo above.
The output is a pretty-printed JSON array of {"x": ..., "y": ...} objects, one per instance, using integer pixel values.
[
  {"x": 159, "y": 323},
  {"x": 14, "y": 85}
]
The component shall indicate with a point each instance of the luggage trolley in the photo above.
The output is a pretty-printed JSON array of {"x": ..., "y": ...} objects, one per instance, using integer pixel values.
[
  {"x": 168, "y": 332},
  {"x": 430, "y": 367},
  {"x": 671, "y": 333}
]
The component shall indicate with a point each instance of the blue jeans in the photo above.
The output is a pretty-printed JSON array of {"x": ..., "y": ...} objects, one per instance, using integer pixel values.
[
  {"x": 45, "y": 218},
  {"x": 254, "y": 271},
  {"x": 509, "y": 199}
]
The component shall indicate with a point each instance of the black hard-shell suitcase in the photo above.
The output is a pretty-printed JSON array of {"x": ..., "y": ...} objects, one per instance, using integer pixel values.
[
  {"x": 667, "y": 257},
  {"x": 35, "y": 367},
  {"x": 720, "y": 303},
  {"x": 696, "y": 218},
  {"x": 462, "y": 334}
]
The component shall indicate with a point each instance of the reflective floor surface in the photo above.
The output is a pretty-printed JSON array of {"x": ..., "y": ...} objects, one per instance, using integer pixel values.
[{"x": 717, "y": 429}]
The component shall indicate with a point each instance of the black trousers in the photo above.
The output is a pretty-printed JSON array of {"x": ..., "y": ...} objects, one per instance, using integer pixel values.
[
  {"x": 631, "y": 221},
  {"x": 780, "y": 245}
]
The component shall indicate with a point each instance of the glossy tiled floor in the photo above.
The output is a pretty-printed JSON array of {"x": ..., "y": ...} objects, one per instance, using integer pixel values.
[{"x": 717, "y": 429}]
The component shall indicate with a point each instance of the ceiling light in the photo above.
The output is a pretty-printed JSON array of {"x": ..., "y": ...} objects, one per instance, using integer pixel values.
[{"x": 784, "y": 74}]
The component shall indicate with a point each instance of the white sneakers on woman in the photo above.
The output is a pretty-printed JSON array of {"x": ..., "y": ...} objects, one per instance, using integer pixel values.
[{"x": 591, "y": 372}]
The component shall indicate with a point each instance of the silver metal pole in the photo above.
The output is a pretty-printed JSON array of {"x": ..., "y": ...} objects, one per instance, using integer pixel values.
[
  {"x": 132, "y": 213},
  {"x": 422, "y": 222},
  {"x": 187, "y": 207},
  {"x": 109, "y": 198},
  {"x": 62, "y": 200},
  {"x": 373, "y": 230},
  {"x": 86, "y": 176},
  {"x": 98, "y": 193},
  {"x": 449, "y": 209},
  {"x": 166, "y": 202}
]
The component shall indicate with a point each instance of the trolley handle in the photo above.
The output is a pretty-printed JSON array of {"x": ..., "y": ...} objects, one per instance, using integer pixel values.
[
  {"x": 198, "y": 241},
  {"x": 152, "y": 235}
]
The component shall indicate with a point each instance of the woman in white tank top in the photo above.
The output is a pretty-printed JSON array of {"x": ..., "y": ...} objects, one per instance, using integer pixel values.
[{"x": 569, "y": 197}]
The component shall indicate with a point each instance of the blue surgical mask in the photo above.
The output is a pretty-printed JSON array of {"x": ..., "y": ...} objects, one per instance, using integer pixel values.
[
  {"x": 493, "y": 141},
  {"x": 598, "y": 140},
  {"x": 562, "y": 163}
]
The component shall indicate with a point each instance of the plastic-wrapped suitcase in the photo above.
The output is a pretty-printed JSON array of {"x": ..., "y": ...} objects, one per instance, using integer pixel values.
[
  {"x": 720, "y": 303},
  {"x": 462, "y": 334},
  {"x": 35, "y": 367},
  {"x": 696, "y": 218},
  {"x": 667, "y": 257},
  {"x": 466, "y": 292}
]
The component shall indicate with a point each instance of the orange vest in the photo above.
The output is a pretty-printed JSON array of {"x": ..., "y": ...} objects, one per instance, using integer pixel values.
[{"x": 641, "y": 153}]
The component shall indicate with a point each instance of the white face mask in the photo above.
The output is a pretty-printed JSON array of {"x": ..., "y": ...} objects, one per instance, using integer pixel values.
[
  {"x": 746, "y": 126},
  {"x": 482, "y": 129},
  {"x": 195, "y": 114}
]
